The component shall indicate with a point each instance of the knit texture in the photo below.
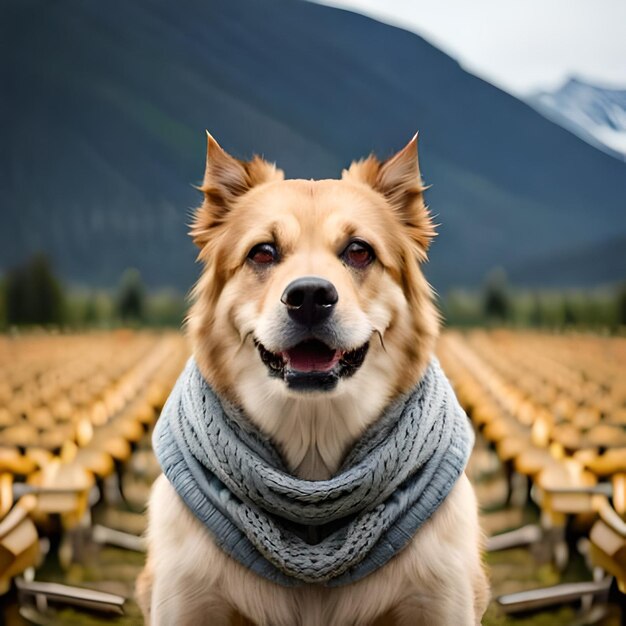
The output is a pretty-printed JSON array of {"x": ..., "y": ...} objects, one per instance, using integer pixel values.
[{"x": 294, "y": 531}]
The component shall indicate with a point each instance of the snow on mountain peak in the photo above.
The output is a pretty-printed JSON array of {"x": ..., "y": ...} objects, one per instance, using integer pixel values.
[{"x": 596, "y": 114}]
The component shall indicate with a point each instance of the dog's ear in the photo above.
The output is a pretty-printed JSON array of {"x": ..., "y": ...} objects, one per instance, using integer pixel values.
[
  {"x": 399, "y": 180},
  {"x": 225, "y": 180}
]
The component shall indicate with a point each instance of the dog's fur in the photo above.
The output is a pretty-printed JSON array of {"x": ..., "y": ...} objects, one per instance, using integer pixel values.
[{"x": 438, "y": 578}]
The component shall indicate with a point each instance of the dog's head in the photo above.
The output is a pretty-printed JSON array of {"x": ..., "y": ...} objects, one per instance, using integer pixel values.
[{"x": 312, "y": 287}]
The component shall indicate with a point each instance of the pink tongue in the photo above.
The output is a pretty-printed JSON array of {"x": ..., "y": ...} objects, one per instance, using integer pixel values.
[{"x": 312, "y": 356}]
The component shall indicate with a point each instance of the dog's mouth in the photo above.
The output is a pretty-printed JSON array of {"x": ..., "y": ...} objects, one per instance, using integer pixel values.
[{"x": 312, "y": 365}]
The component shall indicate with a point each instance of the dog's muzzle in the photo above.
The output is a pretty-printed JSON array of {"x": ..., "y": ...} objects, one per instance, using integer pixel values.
[
  {"x": 311, "y": 365},
  {"x": 311, "y": 361}
]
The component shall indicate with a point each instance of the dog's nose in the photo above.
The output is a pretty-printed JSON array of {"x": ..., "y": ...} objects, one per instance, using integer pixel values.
[{"x": 309, "y": 300}]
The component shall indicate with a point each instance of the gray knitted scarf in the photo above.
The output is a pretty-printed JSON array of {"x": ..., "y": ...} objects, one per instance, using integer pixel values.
[{"x": 294, "y": 531}]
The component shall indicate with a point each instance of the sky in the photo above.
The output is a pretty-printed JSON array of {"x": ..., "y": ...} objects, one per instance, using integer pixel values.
[{"x": 522, "y": 46}]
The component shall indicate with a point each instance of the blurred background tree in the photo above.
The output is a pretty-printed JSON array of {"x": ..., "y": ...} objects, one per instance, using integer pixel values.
[
  {"x": 33, "y": 294},
  {"x": 496, "y": 300},
  {"x": 131, "y": 300},
  {"x": 621, "y": 305},
  {"x": 3, "y": 307}
]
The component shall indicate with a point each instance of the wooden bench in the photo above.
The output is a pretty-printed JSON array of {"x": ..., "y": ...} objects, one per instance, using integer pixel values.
[{"x": 19, "y": 542}]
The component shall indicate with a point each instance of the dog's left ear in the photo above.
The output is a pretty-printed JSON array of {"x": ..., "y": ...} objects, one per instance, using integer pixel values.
[
  {"x": 225, "y": 180},
  {"x": 399, "y": 180}
]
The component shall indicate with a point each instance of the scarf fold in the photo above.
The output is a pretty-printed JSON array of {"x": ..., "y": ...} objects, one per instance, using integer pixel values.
[{"x": 294, "y": 531}]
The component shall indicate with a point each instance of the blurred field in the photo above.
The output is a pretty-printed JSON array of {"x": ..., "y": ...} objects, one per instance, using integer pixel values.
[{"x": 76, "y": 412}]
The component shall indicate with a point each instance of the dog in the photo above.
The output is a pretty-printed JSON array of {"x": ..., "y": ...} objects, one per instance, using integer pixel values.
[{"x": 343, "y": 255}]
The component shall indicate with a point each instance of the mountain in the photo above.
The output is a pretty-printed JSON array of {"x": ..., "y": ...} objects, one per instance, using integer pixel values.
[
  {"x": 573, "y": 267},
  {"x": 104, "y": 106},
  {"x": 596, "y": 114}
]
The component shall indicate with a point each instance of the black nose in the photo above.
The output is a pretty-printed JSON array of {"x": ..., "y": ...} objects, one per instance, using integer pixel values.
[{"x": 309, "y": 300}]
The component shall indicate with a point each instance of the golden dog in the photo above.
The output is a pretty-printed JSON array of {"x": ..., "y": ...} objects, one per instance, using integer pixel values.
[{"x": 343, "y": 256}]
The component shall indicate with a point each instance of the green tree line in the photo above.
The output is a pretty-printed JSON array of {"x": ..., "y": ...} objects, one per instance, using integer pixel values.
[
  {"x": 32, "y": 295},
  {"x": 498, "y": 303}
]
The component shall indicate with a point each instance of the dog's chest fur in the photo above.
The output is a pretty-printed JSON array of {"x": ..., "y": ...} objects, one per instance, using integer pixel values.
[{"x": 314, "y": 434}]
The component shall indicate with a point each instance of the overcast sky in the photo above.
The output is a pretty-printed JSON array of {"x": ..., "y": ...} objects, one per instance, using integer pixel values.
[{"x": 519, "y": 45}]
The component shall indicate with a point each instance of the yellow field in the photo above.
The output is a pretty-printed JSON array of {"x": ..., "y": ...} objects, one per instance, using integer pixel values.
[{"x": 75, "y": 463}]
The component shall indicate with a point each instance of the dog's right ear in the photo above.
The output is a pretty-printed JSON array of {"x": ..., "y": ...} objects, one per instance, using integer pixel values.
[{"x": 225, "y": 180}]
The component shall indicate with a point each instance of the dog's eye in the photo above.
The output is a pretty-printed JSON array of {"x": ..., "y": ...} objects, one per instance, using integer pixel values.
[
  {"x": 263, "y": 254},
  {"x": 358, "y": 254}
]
